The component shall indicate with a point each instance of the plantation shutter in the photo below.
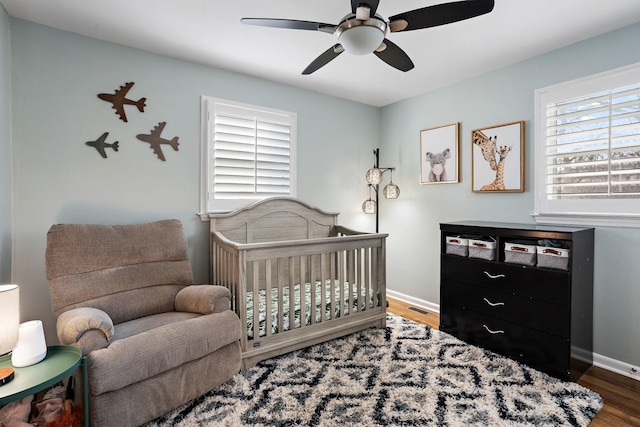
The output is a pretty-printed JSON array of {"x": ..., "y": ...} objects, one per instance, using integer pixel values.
[
  {"x": 593, "y": 146},
  {"x": 251, "y": 154}
]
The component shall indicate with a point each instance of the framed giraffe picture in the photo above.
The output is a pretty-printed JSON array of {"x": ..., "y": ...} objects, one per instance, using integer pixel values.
[
  {"x": 497, "y": 161},
  {"x": 439, "y": 154}
]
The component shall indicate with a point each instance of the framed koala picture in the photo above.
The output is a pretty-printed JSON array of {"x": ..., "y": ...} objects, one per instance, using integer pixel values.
[{"x": 440, "y": 154}]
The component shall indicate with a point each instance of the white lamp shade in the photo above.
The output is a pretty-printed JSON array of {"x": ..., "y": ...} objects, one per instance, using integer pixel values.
[
  {"x": 31, "y": 347},
  {"x": 9, "y": 317}
]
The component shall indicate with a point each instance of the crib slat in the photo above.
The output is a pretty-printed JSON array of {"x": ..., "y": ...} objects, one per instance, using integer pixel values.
[
  {"x": 349, "y": 281},
  {"x": 367, "y": 277},
  {"x": 280, "y": 284},
  {"x": 255, "y": 289},
  {"x": 332, "y": 285},
  {"x": 303, "y": 293},
  {"x": 312, "y": 289},
  {"x": 341, "y": 281},
  {"x": 346, "y": 297},
  {"x": 292, "y": 295},
  {"x": 359, "y": 283},
  {"x": 323, "y": 286},
  {"x": 267, "y": 286},
  {"x": 233, "y": 275}
]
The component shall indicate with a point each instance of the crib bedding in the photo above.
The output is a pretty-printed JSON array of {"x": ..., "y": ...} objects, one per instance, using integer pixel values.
[{"x": 342, "y": 301}]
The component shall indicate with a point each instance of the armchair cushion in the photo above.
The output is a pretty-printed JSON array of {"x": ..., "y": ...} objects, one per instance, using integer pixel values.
[
  {"x": 203, "y": 299},
  {"x": 128, "y": 271},
  {"x": 165, "y": 347},
  {"x": 85, "y": 327}
]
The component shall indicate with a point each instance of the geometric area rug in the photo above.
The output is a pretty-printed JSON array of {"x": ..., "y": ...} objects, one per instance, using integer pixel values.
[{"x": 405, "y": 375}]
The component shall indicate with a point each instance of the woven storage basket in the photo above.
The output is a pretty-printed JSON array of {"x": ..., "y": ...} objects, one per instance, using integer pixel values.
[
  {"x": 553, "y": 257},
  {"x": 456, "y": 245},
  {"x": 518, "y": 253},
  {"x": 483, "y": 249}
]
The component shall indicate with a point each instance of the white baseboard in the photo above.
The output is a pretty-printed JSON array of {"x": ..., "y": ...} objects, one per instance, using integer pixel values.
[
  {"x": 616, "y": 366},
  {"x": 599, "y": 360},
  {"x": 414, "y": 301}
]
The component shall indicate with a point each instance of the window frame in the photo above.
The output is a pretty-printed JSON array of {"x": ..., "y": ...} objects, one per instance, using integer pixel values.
[
  {"x": 614, "y": 212},
  {"x": 208, "y": 105}
]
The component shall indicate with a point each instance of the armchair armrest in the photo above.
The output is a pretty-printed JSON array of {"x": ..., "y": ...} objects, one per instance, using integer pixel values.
[
  {"x": 85, "y": 327},
  {"x": 203, "y": 299}
]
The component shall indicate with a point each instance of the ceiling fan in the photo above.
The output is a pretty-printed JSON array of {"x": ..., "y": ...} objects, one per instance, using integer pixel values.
[{"x": 363, "y": 31}]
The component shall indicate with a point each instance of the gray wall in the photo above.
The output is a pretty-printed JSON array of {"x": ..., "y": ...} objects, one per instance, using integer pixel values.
[
  {"x": 56, "y": 77},
  {"x": 58, "y": 179},
  {"x": 5, "y": 149},
  {"x": 495, "y": 98}
]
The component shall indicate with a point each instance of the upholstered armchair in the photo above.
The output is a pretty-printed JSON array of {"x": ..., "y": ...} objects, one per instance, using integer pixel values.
[{"x": 123, "y": 294}]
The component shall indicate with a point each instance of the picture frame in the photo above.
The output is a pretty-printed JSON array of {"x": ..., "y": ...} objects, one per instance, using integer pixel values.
[
  {"x": 497, "y": 160},
  {"x": 440, "y": 154}
]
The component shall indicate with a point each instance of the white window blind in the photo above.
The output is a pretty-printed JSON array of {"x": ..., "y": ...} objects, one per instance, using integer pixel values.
[
  {"x": 593, "y": 146},
  {"x": 250, "y": 154},
  {"x": 587, "y": 162}
]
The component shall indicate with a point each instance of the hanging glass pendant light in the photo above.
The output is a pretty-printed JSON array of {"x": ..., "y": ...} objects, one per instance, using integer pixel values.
[
  {"x": 369, "y": 205},
  {"x": 374, "y": 176},
  {"x": 391, "y": 191}
]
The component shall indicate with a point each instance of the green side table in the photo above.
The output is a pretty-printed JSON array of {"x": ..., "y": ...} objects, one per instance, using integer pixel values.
[{"x": 61, "y": 361}]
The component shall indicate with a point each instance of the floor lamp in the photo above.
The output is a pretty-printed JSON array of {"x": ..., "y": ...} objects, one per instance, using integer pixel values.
[{"x": 374, "y": 178}]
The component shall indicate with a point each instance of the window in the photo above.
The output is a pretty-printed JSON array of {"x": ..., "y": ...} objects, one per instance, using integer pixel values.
[
  {"x": 248, "y": 154},
  {"x": 588, "y": 150}
]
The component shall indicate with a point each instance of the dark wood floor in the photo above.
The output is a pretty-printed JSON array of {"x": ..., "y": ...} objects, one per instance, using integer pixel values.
[{"x": 621, "y": 394}]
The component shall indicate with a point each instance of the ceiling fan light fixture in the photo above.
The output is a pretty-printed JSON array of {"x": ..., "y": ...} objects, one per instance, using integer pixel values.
[
  {"x": 361, "y": 37},
  {"x": 363, "y": 31}
]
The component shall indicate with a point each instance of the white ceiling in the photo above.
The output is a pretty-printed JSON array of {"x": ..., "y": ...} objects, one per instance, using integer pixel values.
[{"x": 210, "y": 32}]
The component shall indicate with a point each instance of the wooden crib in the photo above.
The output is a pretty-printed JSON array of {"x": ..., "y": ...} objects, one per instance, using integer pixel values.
[{"x": 305, "y": 278}]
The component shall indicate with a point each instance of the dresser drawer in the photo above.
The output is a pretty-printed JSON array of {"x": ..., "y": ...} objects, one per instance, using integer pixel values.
[
  {"x": 541, "y": 351},
  {"x": 539, "y": 315},
  {"x": 538, "y": 283}
]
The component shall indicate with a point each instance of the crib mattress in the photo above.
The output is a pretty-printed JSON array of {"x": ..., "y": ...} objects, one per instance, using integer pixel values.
[{"x": 341, "y": 305}]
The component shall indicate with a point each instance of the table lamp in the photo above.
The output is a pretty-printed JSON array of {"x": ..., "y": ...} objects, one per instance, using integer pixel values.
[{"x": 9, "y": 323}]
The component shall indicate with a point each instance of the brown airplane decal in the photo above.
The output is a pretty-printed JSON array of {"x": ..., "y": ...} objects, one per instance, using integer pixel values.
[
  {"x": 155, "y": 140},
  {"x": 119, "y": 101}
]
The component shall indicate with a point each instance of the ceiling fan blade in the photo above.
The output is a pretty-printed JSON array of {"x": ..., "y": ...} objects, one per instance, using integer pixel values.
[
  {"x": 372, "y": 4},
  {"x": 291, "y": 24},
  {"x": 326, "y": 57},
  {"x": 394, "y": 56},
  {"x": 440, "y": 14}
]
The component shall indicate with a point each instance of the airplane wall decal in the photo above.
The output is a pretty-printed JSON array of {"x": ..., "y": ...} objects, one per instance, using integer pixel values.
[
  {"x": 100, "y": 145},
  {"x": 119, "y": 100},
  {"x": 156, "y": 141}
]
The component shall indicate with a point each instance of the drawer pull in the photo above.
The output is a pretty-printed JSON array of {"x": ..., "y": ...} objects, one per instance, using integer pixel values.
[
  {"x": 492, "y": 332},
  {"x": 493, "y": 304},
  {"x": 494, "y": 276}
]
